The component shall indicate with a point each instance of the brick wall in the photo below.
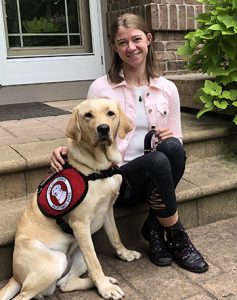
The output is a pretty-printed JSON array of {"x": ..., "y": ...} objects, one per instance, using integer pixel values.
[{"x": 169, "y": 21}]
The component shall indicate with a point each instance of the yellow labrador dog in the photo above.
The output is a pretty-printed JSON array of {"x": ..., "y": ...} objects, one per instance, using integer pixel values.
[{"x": 45, "y": 256}]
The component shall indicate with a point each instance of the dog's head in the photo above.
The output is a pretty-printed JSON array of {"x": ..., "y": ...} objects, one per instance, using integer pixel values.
[{"x": 97, "y": 122}]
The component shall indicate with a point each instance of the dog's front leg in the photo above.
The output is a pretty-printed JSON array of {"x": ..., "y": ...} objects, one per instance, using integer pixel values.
[
  {"x": 106, "y": 285},
  {"x": 113, "y": 235}
]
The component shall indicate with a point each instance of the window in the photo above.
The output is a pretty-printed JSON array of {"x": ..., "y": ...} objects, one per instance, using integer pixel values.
[
  {"x": 47, "y": 27},
  {"x": 45, "y": 41}
]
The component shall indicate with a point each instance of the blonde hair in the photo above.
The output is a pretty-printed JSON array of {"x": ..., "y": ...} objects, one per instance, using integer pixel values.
[{"x": 129, "y": 20}]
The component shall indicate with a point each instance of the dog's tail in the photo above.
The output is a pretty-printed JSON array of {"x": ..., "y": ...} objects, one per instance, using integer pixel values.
[{"x": 10, "y": 289}]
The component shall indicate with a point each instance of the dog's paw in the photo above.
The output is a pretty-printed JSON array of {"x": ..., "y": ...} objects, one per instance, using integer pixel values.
[
  {"x": 109, "y": 289},
  {"x": 112, "y": 280},
  {"x": 128, "y": 255}
]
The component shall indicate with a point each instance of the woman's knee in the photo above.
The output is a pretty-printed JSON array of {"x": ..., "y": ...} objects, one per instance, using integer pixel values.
[
  {"x": 158, "y": 163},
  {"x": 172, "y": 146}
]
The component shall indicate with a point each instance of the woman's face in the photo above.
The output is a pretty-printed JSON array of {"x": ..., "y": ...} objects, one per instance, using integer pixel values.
[{"x": 132, "y": 46}]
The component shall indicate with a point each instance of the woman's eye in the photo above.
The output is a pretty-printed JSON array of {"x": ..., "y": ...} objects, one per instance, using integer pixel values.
[
  {"x": 111, "y": 113},
  {"x": 88, "y": 115},
  {"x": 137, "y": 39},
  {"x": 122, "y": 43}
]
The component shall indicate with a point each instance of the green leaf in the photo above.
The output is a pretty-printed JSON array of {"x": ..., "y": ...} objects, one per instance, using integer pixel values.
[
  {"x": 225, "y": 95},
  {"x": 203, "y": 111},
  {"x": 207, "y": 86},
  {"x": 221, "y": 104},
  {"x": 207, "y": 105},
  {"x": 204, "y": 18},
  {"x": 194, "y": 42},
  {"x": 233, "y": 95},
  {"x": 234, "y": 3},
  {"x": 212, "y": 88},
  {"x": 216, "y": 27},
  {"x": 206, "y": 99},
  {"x": 190, "y": 35},
  {"x": 229, "y": 32},
  {"x": 233, "y": 76},
  {"x": 212, "y": 50},
  {"x": 228, "y": 20},
  {"x": 228, "y": 49},
  {"x": 218, "y": 71},
  {"x": 185, "y": 49},
  {"x": 235, "y": 120},
  {"x": 234, "y": 103},
  {"x": 232, "y": 40}
]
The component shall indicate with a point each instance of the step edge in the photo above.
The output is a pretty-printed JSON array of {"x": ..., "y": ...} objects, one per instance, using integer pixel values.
[
  {"x": 44, "y": 160},
  {"x": 182, "y": 196}
]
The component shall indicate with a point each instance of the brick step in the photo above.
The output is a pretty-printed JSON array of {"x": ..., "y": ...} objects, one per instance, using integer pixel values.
[
  {"x": 23, "y": 166},
  {"x": 206, "y": 194}
]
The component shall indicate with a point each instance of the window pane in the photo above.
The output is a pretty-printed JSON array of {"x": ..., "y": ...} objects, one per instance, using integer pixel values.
[
  {"x": 43, "y": 16},
  {"x": 15, "y": 41},
  {"x": 12, "y": 17},
  {"x": 73, "y": 16},
  {"x": 75, "y": 40},
  {"x": 33, "y": 41}
]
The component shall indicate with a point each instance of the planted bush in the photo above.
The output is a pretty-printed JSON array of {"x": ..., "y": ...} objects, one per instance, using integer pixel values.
[{"x": 212, "y": 49}]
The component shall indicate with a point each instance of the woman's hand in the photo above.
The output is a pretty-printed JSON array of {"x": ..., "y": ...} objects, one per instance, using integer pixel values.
[
  {"x": 163, "y": 133},
  {"x": 57, "y": 160}
]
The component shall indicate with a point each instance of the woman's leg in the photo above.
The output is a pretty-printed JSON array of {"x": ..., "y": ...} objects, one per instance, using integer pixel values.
[
  {"x": 161, "y": 171},
  {"x": 179, "y": 243},
  {"x": 151, "y": 172}
]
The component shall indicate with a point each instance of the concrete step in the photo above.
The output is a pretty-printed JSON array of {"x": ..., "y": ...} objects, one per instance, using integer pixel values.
[
  {"x": 23, "y": 166},
  {"x": 206, "y": 194},
  {"x": 141, "y": 280}
]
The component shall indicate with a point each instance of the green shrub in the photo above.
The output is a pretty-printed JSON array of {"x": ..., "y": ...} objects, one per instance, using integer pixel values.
[{"x": 212, "y": 49}]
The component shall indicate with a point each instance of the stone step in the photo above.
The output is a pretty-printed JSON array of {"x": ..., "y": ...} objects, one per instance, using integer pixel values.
[
  {"x": 206, "y": 194},
  {"x": 187, "y": 85},
  {"x": 142, "y": 280},
  {"x": 23, "y": 166}
]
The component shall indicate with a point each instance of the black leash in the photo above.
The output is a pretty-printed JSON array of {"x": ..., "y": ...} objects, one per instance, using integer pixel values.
[{"x": 147, "y": 141}]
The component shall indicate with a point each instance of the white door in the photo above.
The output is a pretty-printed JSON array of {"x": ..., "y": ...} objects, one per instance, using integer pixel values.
[{"x": 50, "y": 41}]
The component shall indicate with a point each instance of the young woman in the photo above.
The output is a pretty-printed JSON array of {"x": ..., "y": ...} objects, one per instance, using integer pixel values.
[{"x": 151, "y": 102}]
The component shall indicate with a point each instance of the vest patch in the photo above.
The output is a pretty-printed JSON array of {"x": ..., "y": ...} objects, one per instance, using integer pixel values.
[{"x": 60, "y": 193}]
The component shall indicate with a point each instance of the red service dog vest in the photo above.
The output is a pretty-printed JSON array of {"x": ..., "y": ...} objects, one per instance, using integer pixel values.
[{"x": 60, "y": 193}]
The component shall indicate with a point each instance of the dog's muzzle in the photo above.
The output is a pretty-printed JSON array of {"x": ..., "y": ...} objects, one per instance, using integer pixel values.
[{"x": 103, "y": 133}]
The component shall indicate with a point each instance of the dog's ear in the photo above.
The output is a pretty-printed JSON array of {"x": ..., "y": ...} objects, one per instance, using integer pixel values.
[
  {"x": 125, "y": 125},
  {"x": 73, "y": 130}
]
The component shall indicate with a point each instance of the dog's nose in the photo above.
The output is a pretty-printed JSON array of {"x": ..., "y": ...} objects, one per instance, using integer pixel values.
[{"x": 103, "y": 129}]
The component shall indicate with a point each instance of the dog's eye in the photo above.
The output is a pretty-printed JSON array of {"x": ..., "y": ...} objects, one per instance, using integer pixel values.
[
  {"x": 111, "y": 113},
  {"x": 88, "y": 115}
]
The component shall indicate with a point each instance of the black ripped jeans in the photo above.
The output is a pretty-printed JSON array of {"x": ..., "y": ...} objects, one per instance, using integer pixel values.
[{"x": 153, "y": 177}]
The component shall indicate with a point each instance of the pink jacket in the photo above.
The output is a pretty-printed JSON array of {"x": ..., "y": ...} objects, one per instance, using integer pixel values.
[{"x": 162, "y": 104}]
